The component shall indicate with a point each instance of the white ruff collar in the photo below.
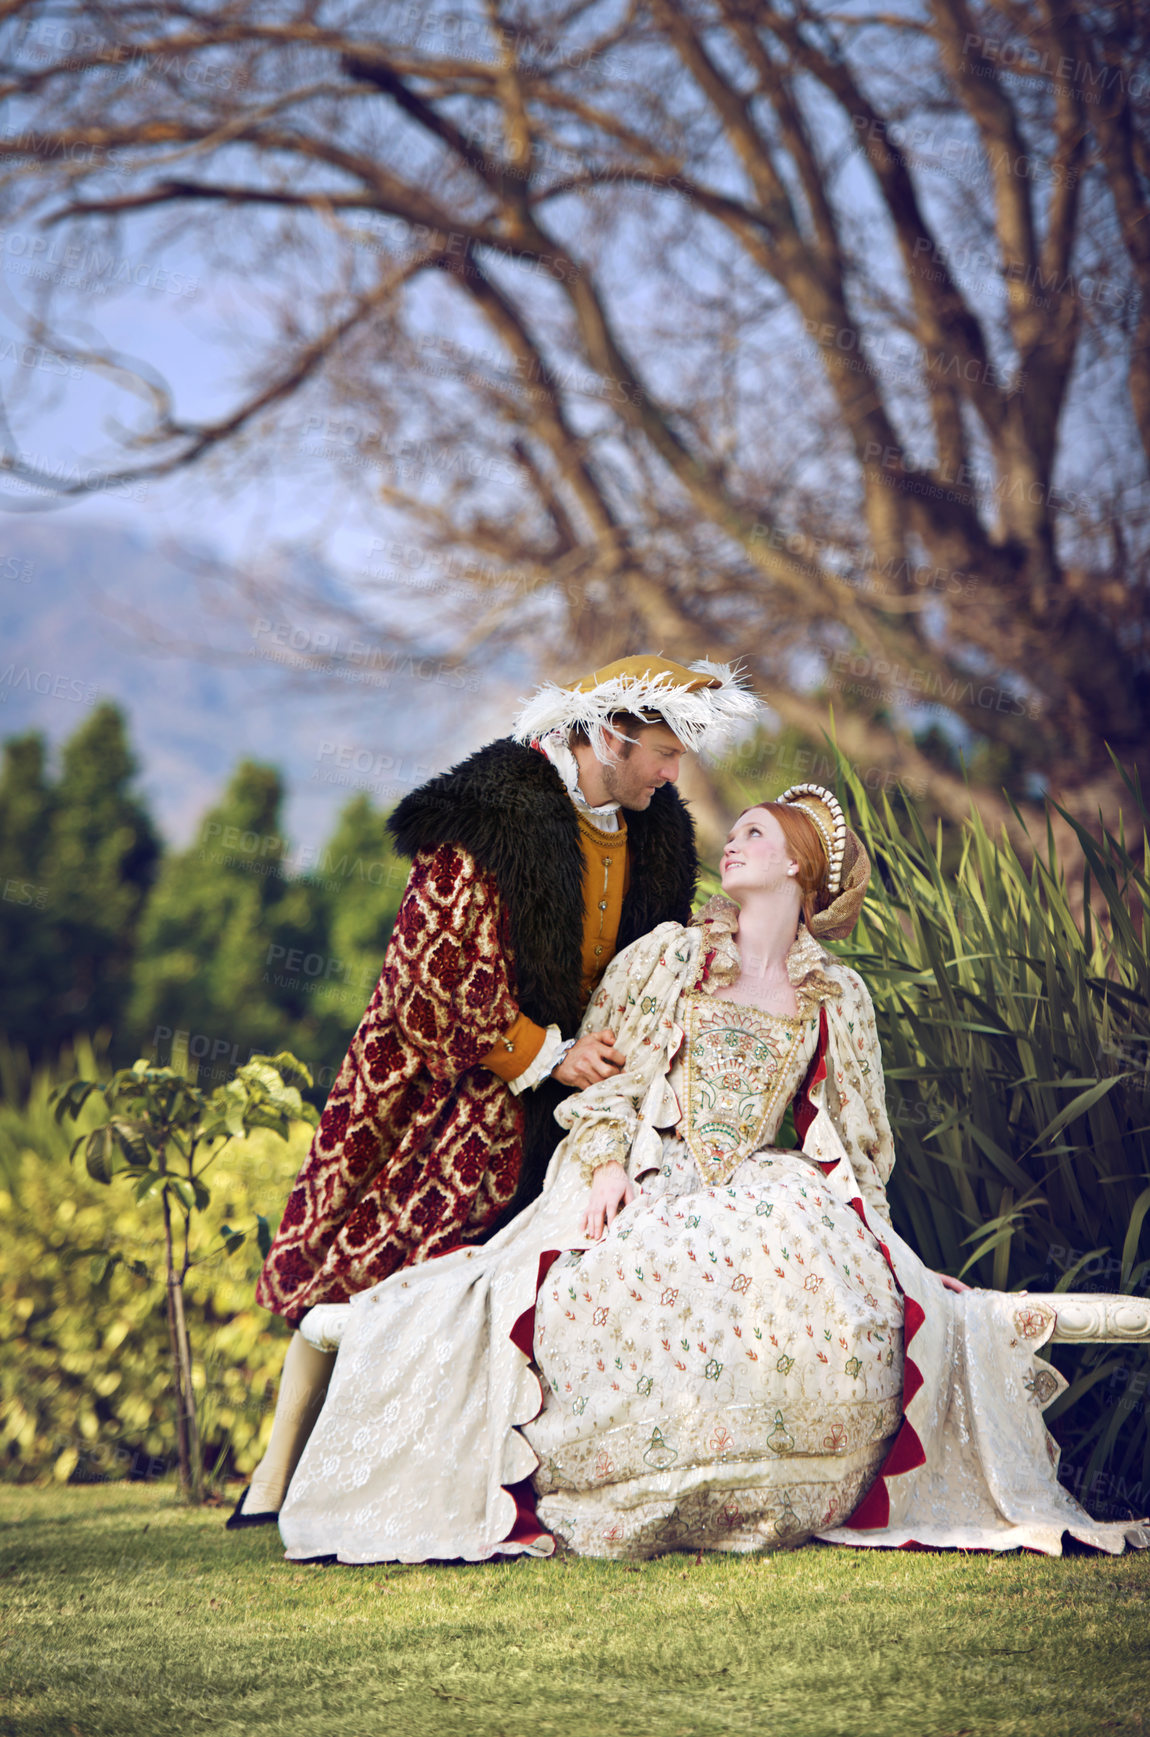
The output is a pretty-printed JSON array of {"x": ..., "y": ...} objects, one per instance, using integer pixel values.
[{"x": 606, "y": 816}]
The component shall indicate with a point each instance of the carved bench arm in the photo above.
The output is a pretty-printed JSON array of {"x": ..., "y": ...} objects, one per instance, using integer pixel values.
[
  {"x": 1093, "y": 1315},
  {"x": 325, "y": 1325}
]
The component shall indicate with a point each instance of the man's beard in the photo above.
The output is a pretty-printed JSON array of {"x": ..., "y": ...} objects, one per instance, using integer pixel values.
[{"x": 627, "y": 791}]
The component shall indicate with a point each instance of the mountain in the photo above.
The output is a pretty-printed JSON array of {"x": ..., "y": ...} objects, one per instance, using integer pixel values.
[{"x": 209, "y": 670}]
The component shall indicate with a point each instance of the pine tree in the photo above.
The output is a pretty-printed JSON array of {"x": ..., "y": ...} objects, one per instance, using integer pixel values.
[
  {"x": 76, "y": 861},
  {"x": 360, "y": 880},
  {"x": 102, "y": 859},
  {"x": 32, "y": 979},
  {"x": 204, "y": 946}
]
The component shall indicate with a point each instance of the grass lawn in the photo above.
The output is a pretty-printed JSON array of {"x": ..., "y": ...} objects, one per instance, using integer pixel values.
[{"x": 125, "y": 1612}]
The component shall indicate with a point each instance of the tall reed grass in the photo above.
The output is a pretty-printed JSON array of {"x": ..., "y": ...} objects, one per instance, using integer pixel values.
[{"x": 1014, "y": 1013}]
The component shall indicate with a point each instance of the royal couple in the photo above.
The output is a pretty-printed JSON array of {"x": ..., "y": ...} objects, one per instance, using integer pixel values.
[{"x": 673, "y": 1329}]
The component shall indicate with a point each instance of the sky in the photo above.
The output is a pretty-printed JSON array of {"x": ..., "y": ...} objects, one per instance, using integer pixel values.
[{"x": 103, "y": 631}]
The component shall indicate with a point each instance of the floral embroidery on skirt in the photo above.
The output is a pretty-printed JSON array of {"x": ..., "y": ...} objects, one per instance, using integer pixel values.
[{"x": 723, "y": 1371}]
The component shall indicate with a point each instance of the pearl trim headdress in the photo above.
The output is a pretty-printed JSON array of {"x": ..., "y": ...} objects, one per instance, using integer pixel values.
[{"x": 830, "y": 823}]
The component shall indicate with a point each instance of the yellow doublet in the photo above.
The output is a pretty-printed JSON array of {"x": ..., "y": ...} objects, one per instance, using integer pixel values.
[{"x": 606, "y": 877}]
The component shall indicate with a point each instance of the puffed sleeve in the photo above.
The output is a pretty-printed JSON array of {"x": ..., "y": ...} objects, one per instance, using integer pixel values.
[
  {"x": 448, "y": 974},
  {"x": 615, "y": 1120}
]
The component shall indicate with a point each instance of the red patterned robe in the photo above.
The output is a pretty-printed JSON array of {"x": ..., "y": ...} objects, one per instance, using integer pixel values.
[
  {"x": 421, "y": 1147},
  {"x": 452, "y": 1144}
]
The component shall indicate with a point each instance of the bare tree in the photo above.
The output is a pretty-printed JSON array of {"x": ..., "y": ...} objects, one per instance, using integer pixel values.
[{"x": 811, "y": 335}]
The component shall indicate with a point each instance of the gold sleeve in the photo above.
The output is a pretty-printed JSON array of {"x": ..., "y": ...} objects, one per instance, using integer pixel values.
[{"x": 516, "y": 1049}]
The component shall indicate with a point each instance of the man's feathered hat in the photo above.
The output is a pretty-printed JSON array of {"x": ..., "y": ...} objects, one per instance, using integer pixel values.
[{"x": 701, "y": 703}]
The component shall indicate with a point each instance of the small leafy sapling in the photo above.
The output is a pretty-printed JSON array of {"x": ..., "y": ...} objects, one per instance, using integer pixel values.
[{"x": 162, "y": 1133}]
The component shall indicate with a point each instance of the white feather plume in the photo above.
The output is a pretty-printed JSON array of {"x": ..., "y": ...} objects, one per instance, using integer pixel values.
[{"x": 702, "y": 718}]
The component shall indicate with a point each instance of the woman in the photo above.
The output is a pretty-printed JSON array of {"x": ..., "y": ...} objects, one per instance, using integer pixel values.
[{"x": 732, "y": 1348}]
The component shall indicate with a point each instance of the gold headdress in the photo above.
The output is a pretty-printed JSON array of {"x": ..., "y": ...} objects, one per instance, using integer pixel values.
[
  {"x": 848, "y": 866},
  {"x": 700, "y": 703},
  {"x": 830, "y": 822}
]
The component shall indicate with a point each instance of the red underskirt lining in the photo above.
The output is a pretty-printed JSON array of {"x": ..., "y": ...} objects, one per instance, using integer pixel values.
[
  {"x": 906, "y": 1451},
  {"x": 525, "y": 1528}
]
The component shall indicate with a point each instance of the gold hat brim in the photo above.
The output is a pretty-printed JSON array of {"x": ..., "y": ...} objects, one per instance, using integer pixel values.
[{"x": 642, "y": 668}]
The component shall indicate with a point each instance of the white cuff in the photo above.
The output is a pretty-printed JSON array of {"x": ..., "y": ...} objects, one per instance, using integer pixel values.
[{"x": 539, "y": 1068}]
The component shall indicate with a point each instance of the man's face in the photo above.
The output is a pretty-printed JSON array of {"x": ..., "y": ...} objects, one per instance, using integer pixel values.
[{"x": 636, "y": 770}]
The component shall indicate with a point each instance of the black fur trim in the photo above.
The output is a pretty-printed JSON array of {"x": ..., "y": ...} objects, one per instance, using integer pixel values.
[{"x": 508, "y": 807}]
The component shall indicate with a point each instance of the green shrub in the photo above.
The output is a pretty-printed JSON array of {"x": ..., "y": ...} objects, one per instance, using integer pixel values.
[
  {"x": 162, "y": 1134},
  {"x": 85, "y": 1385},
  {"x": 1015, "y": 1040}
]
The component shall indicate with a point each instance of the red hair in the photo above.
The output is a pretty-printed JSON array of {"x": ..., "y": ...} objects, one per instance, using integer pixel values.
[{"x": 805, "y": 844}]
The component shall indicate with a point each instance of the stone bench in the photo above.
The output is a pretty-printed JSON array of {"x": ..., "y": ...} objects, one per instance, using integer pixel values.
[{"x": 1081, "y": 1317}]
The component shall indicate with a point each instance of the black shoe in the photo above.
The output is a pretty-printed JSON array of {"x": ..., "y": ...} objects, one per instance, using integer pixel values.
[{"x": 235, "y": 1519}]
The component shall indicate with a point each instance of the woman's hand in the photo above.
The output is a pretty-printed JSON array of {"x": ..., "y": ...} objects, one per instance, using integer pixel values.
[
  {"x": 952, "y": 1284},
  {"x": 590, "y": 1059},
  {"x": 611, "y": 1190}
]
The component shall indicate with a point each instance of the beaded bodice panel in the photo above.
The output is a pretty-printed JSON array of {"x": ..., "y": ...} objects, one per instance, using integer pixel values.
[{"x": 741, "y": 1068}]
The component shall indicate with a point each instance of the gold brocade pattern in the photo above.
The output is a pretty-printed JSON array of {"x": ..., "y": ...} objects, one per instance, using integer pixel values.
[{"x": 741, "y": 1068}]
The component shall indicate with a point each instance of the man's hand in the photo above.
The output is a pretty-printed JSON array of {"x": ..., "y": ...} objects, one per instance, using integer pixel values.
[
  {"x": 611, "y": 1190},
  {"x": 589, "y": 1060}
]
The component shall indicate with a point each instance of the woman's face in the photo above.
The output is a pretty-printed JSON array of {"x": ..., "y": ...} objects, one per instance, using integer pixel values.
[{"x": 755, "y": 856}]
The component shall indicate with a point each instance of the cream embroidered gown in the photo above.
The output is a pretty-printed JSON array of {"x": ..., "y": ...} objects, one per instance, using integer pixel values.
[{"x": 724, "y": 1369}]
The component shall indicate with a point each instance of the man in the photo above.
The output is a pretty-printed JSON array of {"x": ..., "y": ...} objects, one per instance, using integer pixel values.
[{"x": 534, "y": 861}]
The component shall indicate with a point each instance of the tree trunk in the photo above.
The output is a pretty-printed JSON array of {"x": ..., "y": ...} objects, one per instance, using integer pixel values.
[
  {"x": 879, "y": 438},
  {"x": 187, "y": 1428}
]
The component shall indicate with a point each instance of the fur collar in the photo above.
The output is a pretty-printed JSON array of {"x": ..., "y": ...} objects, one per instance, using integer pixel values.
[{"x": 507, "y": 807}]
